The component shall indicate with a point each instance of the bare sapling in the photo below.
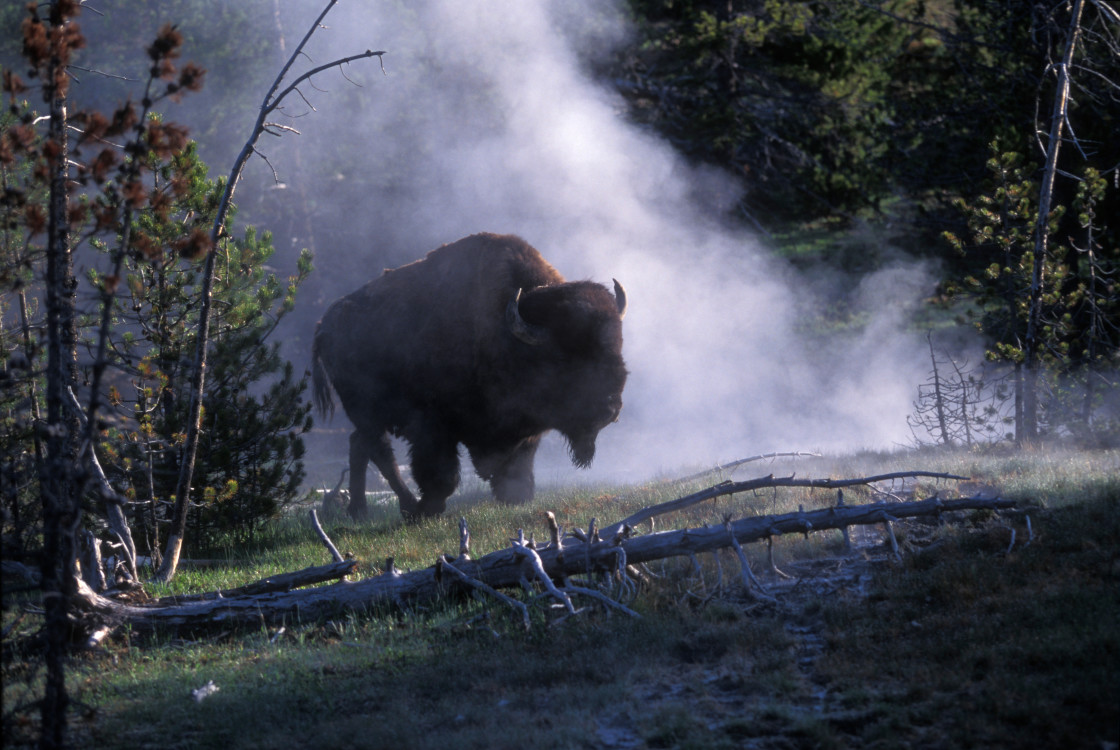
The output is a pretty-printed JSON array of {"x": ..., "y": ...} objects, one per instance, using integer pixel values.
[
  {"x": 272, "y": 103},
  {"x": 958, "y": 404}
]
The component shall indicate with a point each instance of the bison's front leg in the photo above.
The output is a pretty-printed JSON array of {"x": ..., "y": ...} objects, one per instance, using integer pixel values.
[
  {"x": 435, "y": 469},
  {"x": 511, "y": 475}
]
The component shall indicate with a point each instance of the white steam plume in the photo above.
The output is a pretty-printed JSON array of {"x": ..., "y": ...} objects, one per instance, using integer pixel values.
[{"x": 488, "y": 122}]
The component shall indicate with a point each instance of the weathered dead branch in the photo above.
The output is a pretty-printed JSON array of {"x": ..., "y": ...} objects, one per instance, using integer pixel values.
[
  {"x": 599, "y": 596},
  {"x": 277, "y": 599},
  {"x": 113, "y": 501},
  {"x": 732, "y": 488},
  {"x": 326, "y": 540},
  {"x": 444, "y": 566},
  {"x": 750, "y": 583},
  {"x": 730, "y": 465}
]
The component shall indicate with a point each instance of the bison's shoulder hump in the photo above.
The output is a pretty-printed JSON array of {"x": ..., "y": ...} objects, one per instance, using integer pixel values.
[{"x": 498, "y": 261}]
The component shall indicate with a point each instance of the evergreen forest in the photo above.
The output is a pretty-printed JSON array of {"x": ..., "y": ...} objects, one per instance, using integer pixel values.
[{"x": 175, "y": 215}]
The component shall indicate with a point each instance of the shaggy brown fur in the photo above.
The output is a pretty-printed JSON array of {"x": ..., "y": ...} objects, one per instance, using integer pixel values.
[{"x": 432, "y": 352}]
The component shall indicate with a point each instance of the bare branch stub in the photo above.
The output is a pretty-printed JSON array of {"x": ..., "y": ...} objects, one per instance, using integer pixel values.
[
  {"x": 601, "y": 597},
  {"x": 887, "y": 519},
  {"x": 758, "y": 591},
  {"x": 276, "y": 98},
  {"x": 275, "y": 174},
  {"x": 553, "y": 528},
  {"x": 324, "y": 538},
  {"x": 844, "y": 529},
  {"x": 464, "y": 540},
  {"x": 268, "y": 128},
  {"x": 770, "y": 557},
  {"x": 542, "y": 575},
  {"x": 443, "y": 565}
]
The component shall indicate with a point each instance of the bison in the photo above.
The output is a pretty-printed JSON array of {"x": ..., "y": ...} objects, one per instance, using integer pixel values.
[{"x": 480, "y": 343}]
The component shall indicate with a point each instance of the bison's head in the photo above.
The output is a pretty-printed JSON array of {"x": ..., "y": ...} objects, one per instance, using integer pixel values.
[{"x": 573, "y": 332}]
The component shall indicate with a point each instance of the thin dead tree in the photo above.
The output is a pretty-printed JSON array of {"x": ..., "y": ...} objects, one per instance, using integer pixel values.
[
  {"x": 1058, "y": 120},
  {"x": 958, "y": 404},
  {"x": 1084, "y": 75},
  {"x": 272, "y": 102}
]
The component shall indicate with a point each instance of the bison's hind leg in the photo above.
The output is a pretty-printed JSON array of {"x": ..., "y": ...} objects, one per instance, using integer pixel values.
[{"x": 380, "y": 451}]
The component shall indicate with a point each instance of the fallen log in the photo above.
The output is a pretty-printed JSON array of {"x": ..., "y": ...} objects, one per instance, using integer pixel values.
[
  {"x": 505, "y": 568},
  {"x": 280, "y": 582}
]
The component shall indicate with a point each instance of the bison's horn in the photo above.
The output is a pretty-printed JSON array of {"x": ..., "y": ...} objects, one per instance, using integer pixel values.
[
  {"x": 620, "y": 298},
  {"x": 527, "y": 332}
]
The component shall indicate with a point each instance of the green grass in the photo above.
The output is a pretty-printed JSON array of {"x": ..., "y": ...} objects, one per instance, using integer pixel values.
[{"x": 961, "y": 645}]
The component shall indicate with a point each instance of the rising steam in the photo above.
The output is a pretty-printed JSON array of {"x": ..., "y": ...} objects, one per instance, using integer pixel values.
[{"x": 487, "y": 121}]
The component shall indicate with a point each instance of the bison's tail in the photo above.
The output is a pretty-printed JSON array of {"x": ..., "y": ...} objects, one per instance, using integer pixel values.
[{"x": 320, "y": 380}]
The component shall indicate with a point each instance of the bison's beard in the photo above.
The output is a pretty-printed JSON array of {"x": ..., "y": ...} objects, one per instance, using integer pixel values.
[{"x": 582, "y": 450}]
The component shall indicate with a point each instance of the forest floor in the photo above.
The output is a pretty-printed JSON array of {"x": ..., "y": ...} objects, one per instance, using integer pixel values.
[
  {"x": 974, "y": 638},
  {"x": 967, "y": 638}
]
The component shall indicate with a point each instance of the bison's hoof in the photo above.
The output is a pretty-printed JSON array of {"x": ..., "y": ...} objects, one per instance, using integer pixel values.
[
  {"x": 423, "y": 510},
  {"x": 513, "y": 499}
]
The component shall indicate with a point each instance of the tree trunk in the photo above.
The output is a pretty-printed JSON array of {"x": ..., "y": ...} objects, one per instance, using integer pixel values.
[
  {"x": 1032, "y": 343},
  {"x": 1020, "y": 430},
  {"x": 61, "y": 514},
  {"x": 178, "y": 529},
  {"x": 938, "y": 399}
]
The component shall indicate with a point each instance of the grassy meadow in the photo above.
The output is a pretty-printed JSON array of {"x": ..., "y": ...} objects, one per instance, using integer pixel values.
[{"x": 968, "y": 641}]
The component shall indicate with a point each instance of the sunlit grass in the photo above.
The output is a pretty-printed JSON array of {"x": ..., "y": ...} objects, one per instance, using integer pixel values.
[
  {"x": 961, "y": 644},
  {"x": 1049, "y": 479}
]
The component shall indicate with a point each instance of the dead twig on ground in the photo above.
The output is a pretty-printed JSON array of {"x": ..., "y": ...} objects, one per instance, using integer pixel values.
[
  {"x": 733, "y": 488},
  {"x": 324, "y": 538},
  {"x": 720, "y": 468}
]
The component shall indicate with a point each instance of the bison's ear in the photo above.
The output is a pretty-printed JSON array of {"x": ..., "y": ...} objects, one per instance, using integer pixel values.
[
  {"x": 527, "y": 332},
  {"x": 620, "y": 299}
]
